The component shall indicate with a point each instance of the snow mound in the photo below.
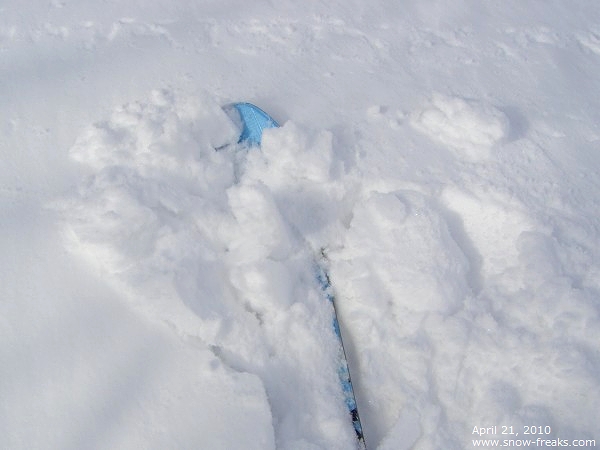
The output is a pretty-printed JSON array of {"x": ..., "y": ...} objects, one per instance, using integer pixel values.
[
  {"x": 404, "y": 233},
  {"x": 389, "y": 286},
  {"x": 470, "y": 128},
  {"x": 207, "y": 240}
]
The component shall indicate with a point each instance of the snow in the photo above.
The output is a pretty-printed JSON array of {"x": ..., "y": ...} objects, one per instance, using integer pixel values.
[
  {"x": 471, "y": 129},
  {"x": 439, "y": 158}
]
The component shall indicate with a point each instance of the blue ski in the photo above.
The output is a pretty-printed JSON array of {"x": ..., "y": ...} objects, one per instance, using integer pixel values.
[
  {"x": 343, "y": 370},
  {"x": 252, "y": 121}
]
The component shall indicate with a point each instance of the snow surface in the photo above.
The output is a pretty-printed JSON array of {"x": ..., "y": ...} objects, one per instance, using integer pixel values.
[{"x": 157, "y": 293}]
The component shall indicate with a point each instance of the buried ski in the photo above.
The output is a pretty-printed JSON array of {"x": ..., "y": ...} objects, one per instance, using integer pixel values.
[
  {"x": 252, "y": 120},
  {"x": 343, "y": 370}
]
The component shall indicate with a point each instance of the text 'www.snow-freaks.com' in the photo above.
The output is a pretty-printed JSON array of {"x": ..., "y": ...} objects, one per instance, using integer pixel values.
[{"x": 530, "y": 443}]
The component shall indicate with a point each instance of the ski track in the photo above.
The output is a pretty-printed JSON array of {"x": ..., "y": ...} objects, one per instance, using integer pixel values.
[{"x": 445, "y": 163}]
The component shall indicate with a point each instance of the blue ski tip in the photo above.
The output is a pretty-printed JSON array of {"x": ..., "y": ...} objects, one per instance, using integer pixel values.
[{"x": 252, "y": 121}]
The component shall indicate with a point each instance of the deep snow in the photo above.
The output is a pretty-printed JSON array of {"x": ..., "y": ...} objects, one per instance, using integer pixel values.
[{"x": 158, "y": 293}]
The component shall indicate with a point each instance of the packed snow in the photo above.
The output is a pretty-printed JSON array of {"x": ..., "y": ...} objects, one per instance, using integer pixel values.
[{"x": 158, "y": 279}]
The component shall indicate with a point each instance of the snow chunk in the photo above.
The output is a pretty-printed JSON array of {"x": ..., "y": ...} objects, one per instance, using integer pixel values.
[
  {"x": 298, "y": 154},
  {"x": 299, "y": 169},
  {"x": 492, "y": 224},
  {"x": 265, "y": 233},
  {"x": 394, "y": 237},
  {"x": 470, "y": 128}
]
